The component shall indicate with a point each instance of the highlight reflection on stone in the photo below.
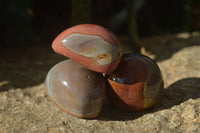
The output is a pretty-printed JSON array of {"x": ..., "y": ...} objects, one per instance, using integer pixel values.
[
  {"x": 136, "y": 84},
  {"x": 76, "y": 90}
]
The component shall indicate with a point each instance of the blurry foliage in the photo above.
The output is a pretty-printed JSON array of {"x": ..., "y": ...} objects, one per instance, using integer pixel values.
[
  {"x": 132, "y": 26},
  {"x": 81, "y": 11},
  {"x": 19, "y": 19},
  {"x": 173, "y": 15},
  {"x": 15, "y": 20}
]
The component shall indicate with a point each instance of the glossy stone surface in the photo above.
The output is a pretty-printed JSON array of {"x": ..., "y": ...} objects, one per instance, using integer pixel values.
[
  {"x": 76, "y": 90},
  {"x": 136, "y": 84},
  {"x": 91, "y": 46}
]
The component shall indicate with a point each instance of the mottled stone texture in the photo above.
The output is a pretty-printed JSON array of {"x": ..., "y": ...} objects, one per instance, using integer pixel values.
[{"x": 26, "y": 107}]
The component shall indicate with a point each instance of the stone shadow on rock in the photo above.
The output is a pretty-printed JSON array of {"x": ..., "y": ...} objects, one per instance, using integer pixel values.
[
  {"x": 163, "y": 47},
  {"x": 25, "y": 67},
  {"x": 176, "y": 93}
]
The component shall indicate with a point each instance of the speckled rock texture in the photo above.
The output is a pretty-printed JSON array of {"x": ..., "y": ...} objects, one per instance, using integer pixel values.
[{"x": 26, "y": 107}]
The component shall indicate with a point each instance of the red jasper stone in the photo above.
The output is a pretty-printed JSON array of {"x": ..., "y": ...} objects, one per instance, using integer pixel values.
[
  {"x": 136, "y": 84},
  {"x": 92, "y": 46}
]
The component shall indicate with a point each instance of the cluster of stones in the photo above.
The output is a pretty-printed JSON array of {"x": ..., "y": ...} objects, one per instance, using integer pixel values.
[{"x": 96, "y": 66}]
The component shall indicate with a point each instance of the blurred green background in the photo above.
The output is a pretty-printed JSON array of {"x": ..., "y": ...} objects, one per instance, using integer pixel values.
[{"x": 32, "y": 22}]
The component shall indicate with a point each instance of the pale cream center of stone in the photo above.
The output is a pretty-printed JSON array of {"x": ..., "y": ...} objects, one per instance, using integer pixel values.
[{"x": 94, "y": 47}]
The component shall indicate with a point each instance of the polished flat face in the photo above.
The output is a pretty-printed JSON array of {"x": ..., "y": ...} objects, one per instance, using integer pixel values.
[
  {"x": 94, "y": 47},
  {"x": 130, "y": 71}
]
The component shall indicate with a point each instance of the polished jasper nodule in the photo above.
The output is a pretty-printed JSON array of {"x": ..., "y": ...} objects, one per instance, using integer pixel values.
[
  {"x": 91, "y": 46},
  {"x": 76, "y": 90},
  {"x": 136, "y": 84}
]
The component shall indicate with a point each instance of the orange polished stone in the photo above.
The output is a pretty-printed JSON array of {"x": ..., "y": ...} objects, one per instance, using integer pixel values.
[
  {"x": 92, "y": 46},
  {"x": 136, "y": 84}
]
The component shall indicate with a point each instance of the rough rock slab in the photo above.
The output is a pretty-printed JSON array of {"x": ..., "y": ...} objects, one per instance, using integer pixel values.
[{"x": 26, "y": 107}]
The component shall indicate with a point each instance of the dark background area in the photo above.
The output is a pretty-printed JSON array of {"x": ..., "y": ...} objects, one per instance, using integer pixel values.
[{"x": 38, "y": 22}]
